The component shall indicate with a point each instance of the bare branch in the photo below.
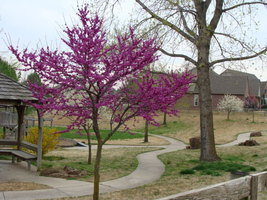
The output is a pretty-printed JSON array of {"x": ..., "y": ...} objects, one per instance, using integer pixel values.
[
  {"x": 217, "y": 15},
  {"x": 190, "y": 31},
  {"x": 208, "y": 3},
  {"x": 239, "y": 58},
  {"x": 219, "y": 44},
  {"x": 242, "y": 43},
  {"x": 179, "y": 55},
  {"x": 167, "y": 23},
  {"x": 141, "y": 22},
  {"x": 243, "y": 4},
  {"x": 118, "y": 125}
]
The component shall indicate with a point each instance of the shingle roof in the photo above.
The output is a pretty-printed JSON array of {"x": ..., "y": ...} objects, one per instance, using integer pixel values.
[
  {"x": 234, "y": 85},
  {"x": 230, "y": 72},
  {"x": 11, "y": 90},
  {"x": 231, "y": 84}
]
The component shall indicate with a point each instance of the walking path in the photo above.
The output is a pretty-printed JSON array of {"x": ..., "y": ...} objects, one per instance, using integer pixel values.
[{"x": 149, "y": 169}]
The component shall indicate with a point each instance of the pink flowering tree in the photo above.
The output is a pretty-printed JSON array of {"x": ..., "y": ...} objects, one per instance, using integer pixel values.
[
  {"x": 166, "y": 90},
  {"x": 91, "y": 74}
]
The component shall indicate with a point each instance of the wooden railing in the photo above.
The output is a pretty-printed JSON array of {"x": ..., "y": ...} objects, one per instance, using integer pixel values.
[{"x": 241, "y": 188}]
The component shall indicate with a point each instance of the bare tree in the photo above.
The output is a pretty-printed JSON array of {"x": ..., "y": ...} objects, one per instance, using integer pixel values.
[{"x": 205, "y": 33}]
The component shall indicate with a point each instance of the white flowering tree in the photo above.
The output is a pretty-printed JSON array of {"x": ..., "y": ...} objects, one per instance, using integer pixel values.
[{"x": 230, "y": 104}]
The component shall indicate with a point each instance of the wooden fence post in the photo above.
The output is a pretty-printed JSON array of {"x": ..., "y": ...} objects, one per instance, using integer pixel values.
[{"x": 254, "y": 188}]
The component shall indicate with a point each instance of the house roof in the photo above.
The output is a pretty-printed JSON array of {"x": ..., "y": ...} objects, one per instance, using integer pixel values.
[
  {"x": 194, "y": 72},
  {"x": 230, "y": 72},
  {"x": 232, "y": 84},
  {"x": 11, "y": 91},
  {"x": 238, "y": 85}
]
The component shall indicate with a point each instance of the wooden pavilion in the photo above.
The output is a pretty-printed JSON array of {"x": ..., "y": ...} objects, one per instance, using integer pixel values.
[{"x": 15, "y": 95}]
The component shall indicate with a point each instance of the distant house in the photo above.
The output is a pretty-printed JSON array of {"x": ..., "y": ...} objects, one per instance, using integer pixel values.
[
  {"x": 264, "y": 94},
  {"x": 230, "y": 82}
]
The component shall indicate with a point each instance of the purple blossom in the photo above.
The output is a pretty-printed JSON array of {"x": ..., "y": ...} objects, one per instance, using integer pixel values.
[{"x": 79, "y": 82}]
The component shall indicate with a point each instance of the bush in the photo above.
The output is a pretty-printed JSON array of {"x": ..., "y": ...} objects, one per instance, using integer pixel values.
[
  {"x": 210, "y": 172},
  {"x": 187, "y": 171},
  {"x": 50, "y": 140}
]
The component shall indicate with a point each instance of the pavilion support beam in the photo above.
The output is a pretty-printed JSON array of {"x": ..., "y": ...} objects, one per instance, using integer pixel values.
[
  {"x": 20, "y": 111},
  {"x": 40, "y": 138}
]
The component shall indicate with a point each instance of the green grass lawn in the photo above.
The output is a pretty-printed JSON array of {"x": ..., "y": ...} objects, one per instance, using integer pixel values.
[
  {"x": 119, "y": 135},
  {"x": 236, "y": 158},
  {"x": 171, "y": 127},
  {"x": 115, "y": 163},
  {"x": 247, "y": 159}
]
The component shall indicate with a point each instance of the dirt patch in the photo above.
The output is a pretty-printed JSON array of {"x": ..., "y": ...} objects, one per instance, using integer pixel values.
[
  {"x": 20, "y": 186},
  {"x": 65, "y": 172}
]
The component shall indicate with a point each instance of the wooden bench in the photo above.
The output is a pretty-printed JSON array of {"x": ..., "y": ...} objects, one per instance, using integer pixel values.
[{"x": 20, "y": 154}]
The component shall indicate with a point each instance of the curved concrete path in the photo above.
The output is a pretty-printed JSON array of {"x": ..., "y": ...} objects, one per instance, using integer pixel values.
[
  {"x": 149, "y": 169},
  {"x": 240, "y": 138}
]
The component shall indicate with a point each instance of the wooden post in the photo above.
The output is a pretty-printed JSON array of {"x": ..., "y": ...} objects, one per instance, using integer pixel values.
[
  {"x": 40, "y": 138},
  {"x": 254, "y": 188},
  {"x": 20, "y": 111}
]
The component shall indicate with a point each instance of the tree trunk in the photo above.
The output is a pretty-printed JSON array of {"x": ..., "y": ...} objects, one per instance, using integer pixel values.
[
  {"x": 164, "y": 119},
  {"x": 146, "y": 132},
  {"x": 205, "y": 33},
  {"x": 40, "y": 138},
  {"x": 96, "y": 172},
  {"x": 228, "y": 115},
  {"x": 89, "y": 148},
  {"x": 208, "y": 151}
]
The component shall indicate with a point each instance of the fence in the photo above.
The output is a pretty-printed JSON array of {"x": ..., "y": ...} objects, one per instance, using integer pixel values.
[{"x": 241, "y": 188}]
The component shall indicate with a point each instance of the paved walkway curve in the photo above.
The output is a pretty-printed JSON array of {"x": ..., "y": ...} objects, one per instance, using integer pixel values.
[{"x": 149, "y": 169}]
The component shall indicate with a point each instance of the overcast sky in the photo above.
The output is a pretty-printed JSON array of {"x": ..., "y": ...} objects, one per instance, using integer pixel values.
[{"x": 32, "y": 22}]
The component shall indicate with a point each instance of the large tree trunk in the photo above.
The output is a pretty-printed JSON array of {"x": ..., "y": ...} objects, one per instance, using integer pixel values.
[
  {"x": 96, "y": 172},
  {"x": 208, "y": 151}
]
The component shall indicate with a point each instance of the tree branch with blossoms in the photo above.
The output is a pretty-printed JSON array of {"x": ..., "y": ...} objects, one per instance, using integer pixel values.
[{"x": 86, "y": 77}]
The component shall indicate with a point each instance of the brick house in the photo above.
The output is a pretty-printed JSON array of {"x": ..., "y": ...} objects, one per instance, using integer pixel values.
[
  {"x": 264, "y": 94},
  {"x": 230, "y": 82}
]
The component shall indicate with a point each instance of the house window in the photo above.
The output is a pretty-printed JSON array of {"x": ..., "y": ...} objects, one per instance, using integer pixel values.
[{"x": 196, "y": 100}]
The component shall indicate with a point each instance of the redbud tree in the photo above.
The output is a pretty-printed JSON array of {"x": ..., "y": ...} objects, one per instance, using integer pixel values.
[{"x": 92, "y": 74}]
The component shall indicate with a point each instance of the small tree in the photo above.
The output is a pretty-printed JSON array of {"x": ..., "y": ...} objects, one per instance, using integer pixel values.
[
  {"x": 8, "y": 70},
  {"x": 252, "y": 103},
  {"x": 32, "y": 78},
  {"x": 96, "y": 70},
  {"x": 230, "y": 104}
]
